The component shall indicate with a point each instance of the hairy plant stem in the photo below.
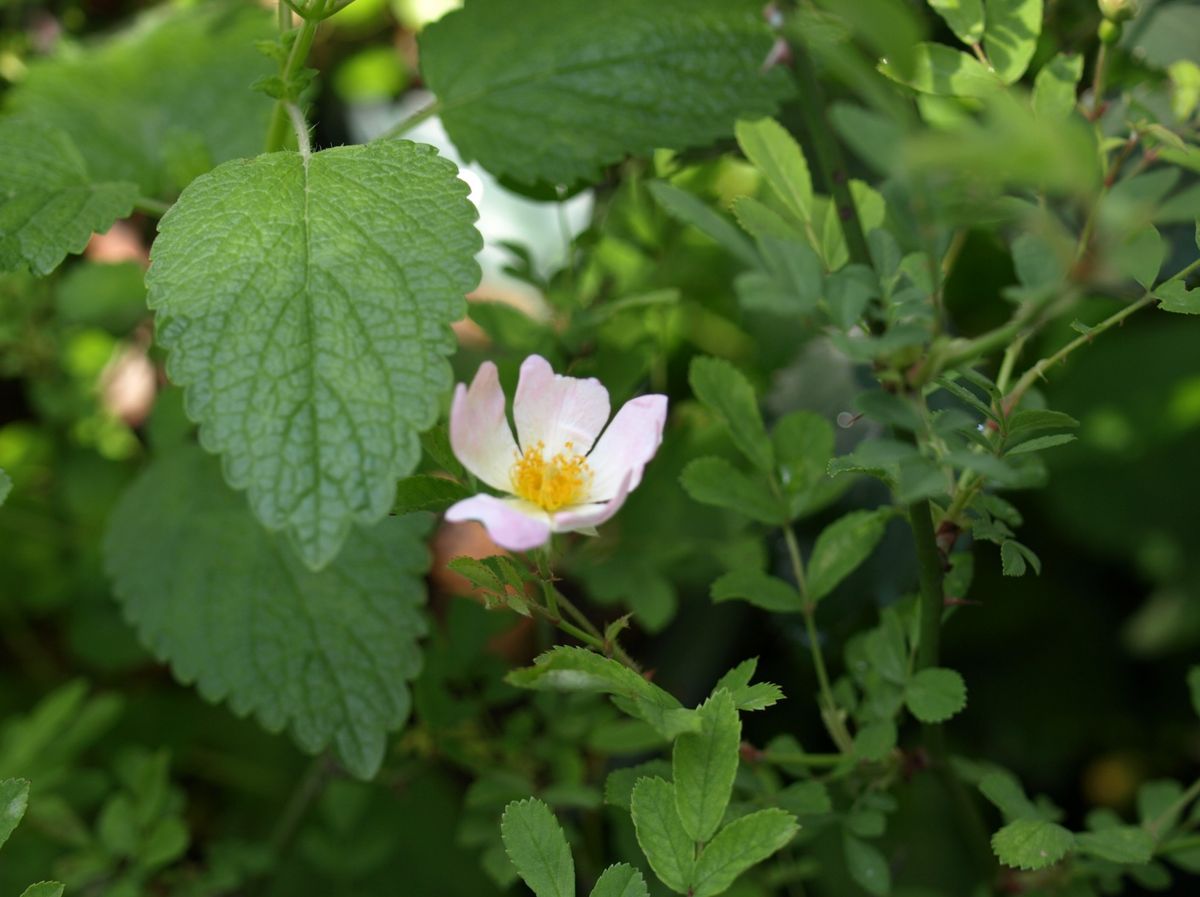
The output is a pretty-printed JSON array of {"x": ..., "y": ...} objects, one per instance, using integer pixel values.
[
  {"x": 297, "y": 56},
  {"x": 583, "y": 628}
]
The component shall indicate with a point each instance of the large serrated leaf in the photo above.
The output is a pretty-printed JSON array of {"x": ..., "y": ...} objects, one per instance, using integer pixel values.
[
  {"x": 704, "y": 764},
  {"x": 49, "y": 204},
  {"x": 163, "y": 101},
  {"x": 306, "y": 304},
  {"x": 535, "y": 843},
  {"x": 551, "y": 90},
  {"x": 738, "y": 846},
  {"x": 228, "y": 605}
]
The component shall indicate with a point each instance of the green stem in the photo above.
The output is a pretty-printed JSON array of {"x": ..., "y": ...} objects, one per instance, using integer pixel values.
[
  {"x": 1035, "y": 373},
  {"x": 155, "y": 208},
  {"x": 829, "y": 157},
  {"x": 798, "y": 758},
  {"x": 278, "y": 128},
  {"x": 1177, "y": 807},
  {"x": 931, "y": 599},
  {"x": 586, "y": 631},
  {"x": 307, "y": 790},
  {"x": 1098, "y": 74},
  {"x": 830, "y": 711},
  {"x": 960, "y": 352},
  {"x": 413, "y": 120}
]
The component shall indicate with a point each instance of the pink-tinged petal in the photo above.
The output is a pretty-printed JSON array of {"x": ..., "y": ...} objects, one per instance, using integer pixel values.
[
  {"x": 555, "y": 410},
  {"x": 479, "y": 431},
  {"x": 627, "y": 445},
  {"x": 512, "y": 524},
  {"x": 593, "y": 514}
]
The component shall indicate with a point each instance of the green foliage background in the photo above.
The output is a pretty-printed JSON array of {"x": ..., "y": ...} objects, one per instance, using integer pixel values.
[{"x": 387, "y": 770}]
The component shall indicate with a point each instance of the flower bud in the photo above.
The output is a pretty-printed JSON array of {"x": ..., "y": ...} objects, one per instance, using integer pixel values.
[
  {"x": 1118, "y": 10},
  {"x": 1109, "y": 32}
]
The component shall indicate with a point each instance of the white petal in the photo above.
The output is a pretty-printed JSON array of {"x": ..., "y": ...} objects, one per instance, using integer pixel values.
[
  {"x": 556, "y": 410},
  {"x": 593, "y": 514},
  {"x": 512, "y": 524},
  {"x": 479, "y": 431},
  {"x": 627, "y": 445}
]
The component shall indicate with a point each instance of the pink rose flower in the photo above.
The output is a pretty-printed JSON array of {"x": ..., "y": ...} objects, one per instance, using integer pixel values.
[{"x": 559, "y": 478}]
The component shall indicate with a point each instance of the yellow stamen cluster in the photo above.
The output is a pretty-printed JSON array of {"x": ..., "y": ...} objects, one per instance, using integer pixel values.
[{"x": 550, "y": 484}]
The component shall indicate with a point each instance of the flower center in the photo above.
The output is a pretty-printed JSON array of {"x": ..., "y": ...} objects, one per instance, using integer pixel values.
[{"x": 550, "y": 483}]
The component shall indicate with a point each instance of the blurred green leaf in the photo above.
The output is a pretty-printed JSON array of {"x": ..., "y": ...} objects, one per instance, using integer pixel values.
[
  {"x": 1002, "y": 789},
  {"x": 689, "y": 209},
  {"x": 876, "y": 740},
  {"x": 163, "y": 101},
  {"x": 427, "y": 493},
  {"x": 841, "y": 547},
  {"x": 594, "y": 82},
  {"x": 1123, "y": 844},
  {"x": 867, "y": 866},
  {"x": 942, "y": 71},
  {"x": 935, "y": 694},
  {"x": 1011, "y": 35},
  {"x": 714, "y": 481},
  {"x": 51, "y": 204},
  {"x": 14, "y": 798},
  {"x": 1055, "y": 85},
  {"x": 1141, "y": 256},
  {"x": 727, "y": 392},
  {"x": 775, "y": 153},
  {"x": 234, "y": 611},
  {"x": 1013, "y": 557},
  {"x": 759, "y": 589},
  {"x": 965, "y": 18},
  {"x": 1175, "y": 296},
  {"x": 44, "y": 889}
]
